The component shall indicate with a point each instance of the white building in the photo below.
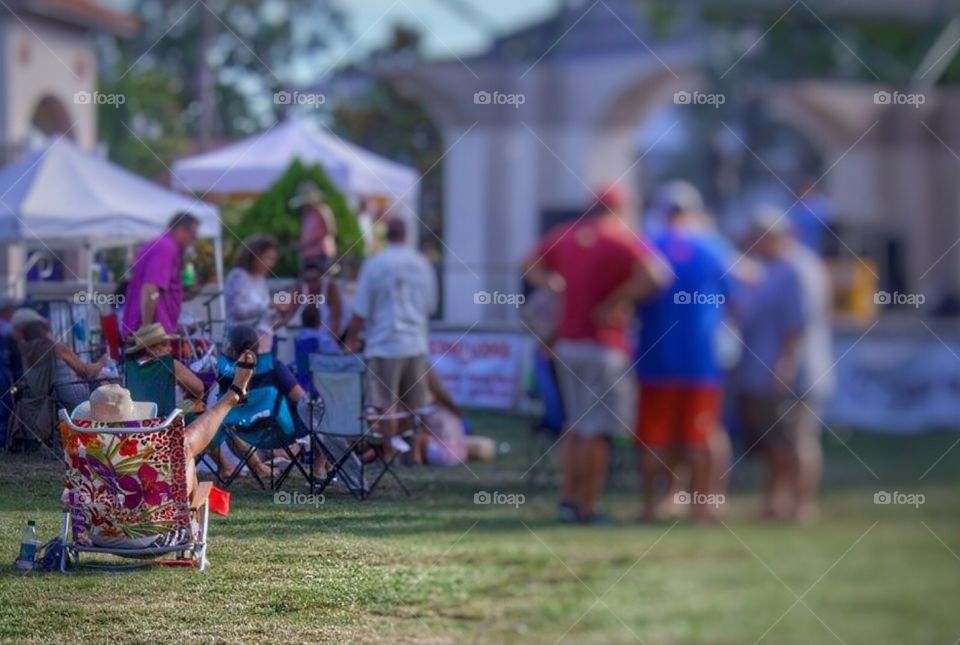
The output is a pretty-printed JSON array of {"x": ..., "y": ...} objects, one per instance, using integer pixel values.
[
  {"x": 48, "y": 76},
  {"x": 547, "y": 113}
]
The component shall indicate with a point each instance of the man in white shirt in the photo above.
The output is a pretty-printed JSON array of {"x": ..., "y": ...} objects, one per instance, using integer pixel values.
[{"x": 395, "y": 296}]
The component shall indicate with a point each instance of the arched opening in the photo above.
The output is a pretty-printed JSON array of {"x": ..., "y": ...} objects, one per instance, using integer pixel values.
[{"x": 50, "y": 118}]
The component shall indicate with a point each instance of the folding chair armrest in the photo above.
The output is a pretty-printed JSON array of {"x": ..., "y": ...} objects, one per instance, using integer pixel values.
[{"x": 200, "y": 495}]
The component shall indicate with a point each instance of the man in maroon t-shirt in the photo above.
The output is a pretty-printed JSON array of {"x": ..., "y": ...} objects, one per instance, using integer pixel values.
[{"x": 599, "y": 268}]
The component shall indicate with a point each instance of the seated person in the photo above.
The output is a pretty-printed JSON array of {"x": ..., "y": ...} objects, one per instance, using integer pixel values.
[
  {"x": 112, "y": 403},
  {"x": 152, "y": 341},
  {"x": 38, "y": 345},
  {"x": 443, "y": 439},
  {"x": 244, "y": 338},
  {"x": 313, "y": 328},
  {"x": 322, "y": 292}
]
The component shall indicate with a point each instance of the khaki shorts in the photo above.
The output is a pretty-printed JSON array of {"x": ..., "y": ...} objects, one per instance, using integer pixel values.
[
  {"x": 597, "y": 387},
  {"x": 777, "y": 421},
  {"x": 397, "y": 380}
]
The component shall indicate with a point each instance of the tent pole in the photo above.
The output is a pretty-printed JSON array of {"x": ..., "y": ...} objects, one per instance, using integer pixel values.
[{"x": 218, "y": 262}]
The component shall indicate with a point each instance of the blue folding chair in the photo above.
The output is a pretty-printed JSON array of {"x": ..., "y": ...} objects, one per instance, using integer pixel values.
[{"x": 266, "y": 421}]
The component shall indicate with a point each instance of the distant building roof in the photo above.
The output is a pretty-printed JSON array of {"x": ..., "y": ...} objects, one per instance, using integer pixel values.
[
  {"x": 590, "y": 29},
  {"x": 87, "y": 14}
]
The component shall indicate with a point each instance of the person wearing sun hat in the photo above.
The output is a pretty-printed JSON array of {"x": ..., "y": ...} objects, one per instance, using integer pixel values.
[
  {"x": 152, "y": 341},
  {"x": 23, "y": 316},
  {"x": 113, "y": 404}
]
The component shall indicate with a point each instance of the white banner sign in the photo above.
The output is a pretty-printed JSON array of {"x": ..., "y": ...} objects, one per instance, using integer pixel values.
[
  {"x": 482, "y": 369},
  {"x": 896, "y": 384}
]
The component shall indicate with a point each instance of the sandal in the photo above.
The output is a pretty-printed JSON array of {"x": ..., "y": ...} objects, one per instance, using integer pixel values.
[{"x": 247, "y": 362}]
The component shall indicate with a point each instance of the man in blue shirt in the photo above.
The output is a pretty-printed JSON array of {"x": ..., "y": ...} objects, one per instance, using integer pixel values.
[{"x": 677, "y": 366}]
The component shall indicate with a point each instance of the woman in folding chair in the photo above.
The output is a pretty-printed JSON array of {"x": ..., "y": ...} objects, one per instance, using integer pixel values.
[
  {"x": 152, "y": 372},
  {"x": 279, "y": 417},
  {"x": 110, "y": 403},
  {"x": 128, "y": 487},
  {"x": 70, "y": 372},
  {"x": 150, "y": 353}
]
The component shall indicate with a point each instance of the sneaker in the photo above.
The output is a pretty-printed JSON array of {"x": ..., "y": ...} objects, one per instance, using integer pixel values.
[
  {"x": 567, "y": 512},
  {"x": 595, "y": 519},
  {"x": 399, "y": 445}
]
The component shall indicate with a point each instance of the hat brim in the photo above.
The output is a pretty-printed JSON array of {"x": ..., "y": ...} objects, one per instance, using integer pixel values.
[
  {"x": 136, "y": 344},
  {"x": 141, "y": 410}
]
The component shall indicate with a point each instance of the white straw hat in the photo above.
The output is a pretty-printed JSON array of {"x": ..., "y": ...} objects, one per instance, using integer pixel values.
[{"x": 111, "y": 403}]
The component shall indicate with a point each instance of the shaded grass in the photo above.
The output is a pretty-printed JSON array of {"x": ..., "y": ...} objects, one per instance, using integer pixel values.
[{"x": 438, "y": 568}]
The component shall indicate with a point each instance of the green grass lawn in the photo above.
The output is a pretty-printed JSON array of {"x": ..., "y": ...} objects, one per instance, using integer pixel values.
[{"x": 436, "y": 567}]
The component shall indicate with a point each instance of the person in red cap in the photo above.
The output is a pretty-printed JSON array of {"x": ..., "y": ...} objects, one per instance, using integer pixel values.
[{"x": 599, "y": 268}]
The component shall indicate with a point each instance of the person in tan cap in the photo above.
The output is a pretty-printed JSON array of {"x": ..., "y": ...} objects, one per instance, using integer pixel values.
[
  {"x": 152, "y": 341},
  {"x": 112, "y": 403}
]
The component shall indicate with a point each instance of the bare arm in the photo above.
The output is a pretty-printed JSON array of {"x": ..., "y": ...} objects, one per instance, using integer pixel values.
[
  {"x": 785, "y": 370},
  {"x": 441, "y": 395},
  {"x": 82, "y": 369},
  {"x": 335, "y": 306},
  {"x": 149, "y": 295},
  {"x": 649, "y": 276},
  {"x": 537, "y": 274},
  {"x": 353, "y": 333},
  {"x": 188, "y": 380}
]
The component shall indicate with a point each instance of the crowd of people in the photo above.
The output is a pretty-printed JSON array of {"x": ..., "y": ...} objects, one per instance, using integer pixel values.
[
  {"x": 667, "y": 331},
  {"x": 385, "y": 319}
]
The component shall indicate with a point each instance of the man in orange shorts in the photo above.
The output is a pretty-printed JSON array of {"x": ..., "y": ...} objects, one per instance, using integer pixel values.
[{"x": 677, "y": 365}]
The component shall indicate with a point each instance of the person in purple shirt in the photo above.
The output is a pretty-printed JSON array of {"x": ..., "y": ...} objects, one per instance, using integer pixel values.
[{"x": 155, "y": 291}]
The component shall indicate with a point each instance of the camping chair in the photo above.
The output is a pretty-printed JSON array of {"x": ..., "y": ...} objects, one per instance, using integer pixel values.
[
  {"x": 152, "y": 380},
  {"x": 348, "y": 428},
  {"x": 36, "y": 401},
  {"x": 126, "y": 494},
  {"x": 34, "y": 415},
  {"x": 267, "y": 422}
]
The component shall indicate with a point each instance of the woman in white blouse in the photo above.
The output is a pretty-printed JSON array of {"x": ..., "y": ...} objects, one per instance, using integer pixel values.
[{"x": 246, "y": 294}]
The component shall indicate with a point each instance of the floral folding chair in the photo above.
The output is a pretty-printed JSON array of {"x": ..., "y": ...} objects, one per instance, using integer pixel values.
[{"x": 126, "y": 494}]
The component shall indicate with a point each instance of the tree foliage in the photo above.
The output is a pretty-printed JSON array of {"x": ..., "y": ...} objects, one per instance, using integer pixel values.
[{"x": 250, "y": 47}]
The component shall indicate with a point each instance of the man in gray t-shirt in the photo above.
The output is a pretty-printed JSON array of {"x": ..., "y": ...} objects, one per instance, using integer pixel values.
[
  {"x": 395, "y": 296},
  {"x": 785, "y": 371}
]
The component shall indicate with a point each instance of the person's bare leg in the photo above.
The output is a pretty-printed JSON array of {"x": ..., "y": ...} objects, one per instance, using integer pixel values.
[
  {"x": 652, "y": 468},
  {"x": 568, "y": 458},
  {"x": 699, "y": 459},
  {"x": 809, "y": 469},
  {"x": 676, "y": 467},
  {"x": 721, "y": 456},
  {"x": 780, "y": 483},
  {"x": 202, "y": 430},
  {"x": 596, "y": 459},
  {"x": 240, "y": 447}
]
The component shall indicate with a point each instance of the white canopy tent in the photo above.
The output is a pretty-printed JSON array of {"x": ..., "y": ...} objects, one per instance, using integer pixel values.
[
  {"x": 62, "y": 197},
  {"x": 253, "y": 164}
]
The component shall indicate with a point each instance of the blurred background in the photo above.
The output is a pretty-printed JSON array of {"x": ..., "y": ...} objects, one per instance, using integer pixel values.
[{"x": 487, "y": 123}]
